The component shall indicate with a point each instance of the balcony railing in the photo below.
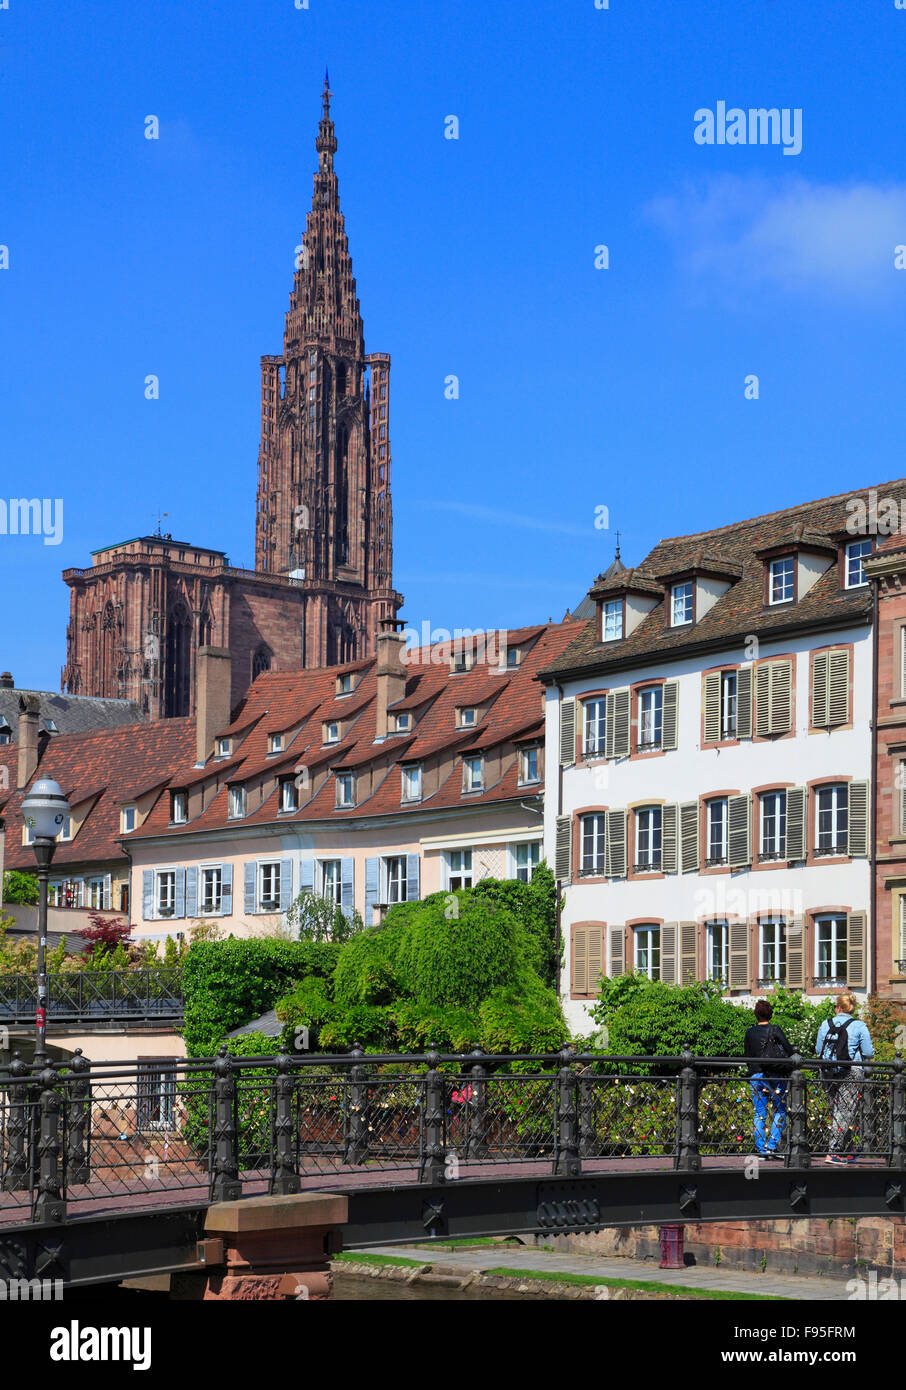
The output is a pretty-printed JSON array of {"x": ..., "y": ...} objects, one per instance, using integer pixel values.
[{"x": 95, "y": 996}]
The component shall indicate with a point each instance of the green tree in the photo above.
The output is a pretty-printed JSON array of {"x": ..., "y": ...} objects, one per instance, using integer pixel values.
[
  {"x": 314, "y": 918},
  {"x": 20, "y": 888}
]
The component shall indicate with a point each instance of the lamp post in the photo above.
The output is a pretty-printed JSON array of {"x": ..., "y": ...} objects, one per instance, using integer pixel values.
[{"x": 44, "y": 810}]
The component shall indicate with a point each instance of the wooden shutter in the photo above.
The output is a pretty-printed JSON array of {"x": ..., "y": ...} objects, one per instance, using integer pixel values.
[
  {"x": 286, "y": 884},
  {"x": 856, "y": 947},
  {"x": 739, "y": 836},
  {"x": 669, "y": 714},
  {"x": 781, "y": 696},
  {"x": 763, "y": 700},
  {"x": 616, "y": 844},
  {"x": 179, "y": 898},
  {"x": 617, "y": 951},
  {"x": 711, "y": 699},
  {"x": 744, "y": 702},
  {"x": 347, "y": 884},
  {"x": 372, "y": 888},
  {"x": 250, "y": 874},
  {"x": 226, "y": 890},
  {"x": 669, "y": 957},
  {"x": 306, "y": 875},
  {"x": 795, "y": 953},
  {"x": 796, "y": 811},
  {"x": 578, "y": 961},
  {"x": 739, "y": 955},
  {"x": 595, "y": 951},
  {"x": 147, "y": 895},
  {"x": 857, "y": 820},
  {"x": 688, "y": 952},
  {"x": 838, "y": 687},
  {"x": 669, "y": 840},
  {"x": 689, "y": 837},
  {"x": 563, "y": 853},
  {"x": 820, "y": 717},
  {"x": 616, "y": 724},
  {"x": 567, "y": 732},
  {"x": 413, "y": 888},
  {"x": 106, "y": 891}
]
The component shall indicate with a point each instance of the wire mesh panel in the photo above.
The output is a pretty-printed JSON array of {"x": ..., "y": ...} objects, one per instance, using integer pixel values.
[
  {"x": 729, "y": 1111},
  {"x": 628, "y": 1116}
]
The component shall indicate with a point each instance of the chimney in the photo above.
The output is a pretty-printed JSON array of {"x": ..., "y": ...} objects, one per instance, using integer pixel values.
[
  {"x": 6, "y": 681},
  {"x": 390, "y": 671},
  {"x": 29, "y": 709},
  {"x": 212, "y": 705}
]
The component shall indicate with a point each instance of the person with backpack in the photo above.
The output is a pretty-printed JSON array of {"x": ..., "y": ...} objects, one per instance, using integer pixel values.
[
  {"x": 844, "y": 1041},
  {"x": 767, "y": 1045}
]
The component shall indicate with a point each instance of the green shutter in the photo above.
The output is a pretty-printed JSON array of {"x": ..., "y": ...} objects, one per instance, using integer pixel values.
[
  {"x": 689, "y": 837},
  {"x": 744, "y": 702},
  {"x": 796, "y": 810},
  {"x": 739, "y": 955},
  {"x": 669, "y": 959},
  {"x": 567, "y": 732},
  {"x": 856, "y": 947},
  {"x": 669, "y": 714},
  {"x": 820, "y": 718},
  {"x": 739, "y": 835},
  {"x": 688, "y": 952},
  {"x": 712, "y": 707},
  {"x": 838, "y": 687},
  {"x": 857, "y": 820},
  {"x": 669, "y": 841},
  {"x": 781, "y": 696},
  {"x": 616, "y": 844},
  {"x": 763, "y": 700},
  {"x": 563, "y": 849},
  {"x": 795, "y": 954},
  {"x": 617, "y": 950},
  {"x": 616, "y": 727}
]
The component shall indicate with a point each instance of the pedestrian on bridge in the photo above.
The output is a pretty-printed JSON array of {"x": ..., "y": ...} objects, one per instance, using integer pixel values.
[
  {"x": 846, "y": 1042},
  {"x": 767, "y": 1045}
]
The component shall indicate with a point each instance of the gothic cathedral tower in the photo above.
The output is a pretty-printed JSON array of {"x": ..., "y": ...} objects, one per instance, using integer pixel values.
[{"x": 324, "y": 513}]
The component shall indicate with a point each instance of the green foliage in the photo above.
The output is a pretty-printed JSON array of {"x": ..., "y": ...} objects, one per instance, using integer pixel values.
[
  {"x": 883, "y": 1018},
  {"x": 535, "y": 905},
  {"x": 228, "y": 982},
  {"x": 20, "y": 888},
  {"x": 314, "y": 918},
  {"x": 649, "y": 1018}
]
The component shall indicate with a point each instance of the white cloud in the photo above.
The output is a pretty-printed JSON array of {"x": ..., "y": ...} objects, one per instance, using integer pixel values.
[{"x": 802, "y": 236}]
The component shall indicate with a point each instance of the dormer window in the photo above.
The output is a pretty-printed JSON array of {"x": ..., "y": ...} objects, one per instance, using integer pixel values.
[
  {"x": 128, "y": 819},
  {"x": 179, "y": 808},
  {"x": 275, "y": 743},
  {"x": 345, "y": 789},
  {"x": 467, "y": 716},
  {"x": 612, "y": 620},
  {"x": 222, "y": 748},
  {"x": 6, "y": 733},
  {"x": 50, "y": 726},
  {"x": 403, "y": 722},
  {"x": 344, "y": 684},
  {"x": 412, "y": 783},
  {"x": 530, "y": 766},
  {"x": 782, "y": 580},
  {"x": 332, "y": 732},
  {"x": 236, "y": 802},
  {"x": 461, "y": 660},
  {"x": 857, "y": 552},
  {"x": 473, "y": 775},
  {"x": 512, "y": 656},
  {"x": 681, "y": 604},
  {"x": 289, "y": 799},
  {"x": 66, "y": 829}
]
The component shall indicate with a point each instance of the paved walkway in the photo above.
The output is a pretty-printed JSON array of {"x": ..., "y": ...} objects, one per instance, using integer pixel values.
[{"x": 693, "y": 1277}]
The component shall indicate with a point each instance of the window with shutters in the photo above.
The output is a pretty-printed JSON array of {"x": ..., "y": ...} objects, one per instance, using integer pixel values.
[
  {"x": 832, "y": 820},
  {"x": 728, "y": 704},
  {"x": 394, "y": 875},
  {"x": 586, "y": 959},
  {"x": 830, "y": 949},
  {"x": 594, "y": 844},
  {"x": 651, "y": 714},
  {"x": 648, "y": 839},
  {"x": 830, "y": 688},
  {"x": 717, "y": 827},
  {"x": 681, "y": 604},
  {"x": 857, "y": 552},
  {"x": 647, "y": 946},
  {"x": 771, "y": 952},
  {"x": 459, "y": 869},
  {"x": 612, "y": 620},
  {"x": 594, "y": 726},
  {"x": 165, "y": 892},
  {"x": 718, "y": 944},
  {"x": 773, "y": 697},
  {"x": 782, "y": 579},
  {"x": 211, "y": 890},
  {"x": 329, "y": 880},
  {"x": 269, "y": 886},
  {"x": 772, "y": 839}
]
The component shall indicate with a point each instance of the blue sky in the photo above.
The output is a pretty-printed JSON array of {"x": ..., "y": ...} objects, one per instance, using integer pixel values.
[{"x": 580, "y": 388}]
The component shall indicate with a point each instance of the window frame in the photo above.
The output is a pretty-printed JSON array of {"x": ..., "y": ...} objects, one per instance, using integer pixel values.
[
  {"x": 652, "y": 931},
  {"x": 461, "y": 875},
  {"x": 784, "y": 560},
  {"x": 684, "y": 589},
  {"x": 837, "y": 846},
  {"x": 272, "y": 904},
  {"x": 847, "y": 559},
  {"x": 612, "y": 607}
]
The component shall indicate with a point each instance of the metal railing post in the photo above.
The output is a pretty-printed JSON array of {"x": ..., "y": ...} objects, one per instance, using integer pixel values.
[
  {"x": 77, "y": 1117},
  {"x": 284, "y": 1178},
  {"x": 18, "y": 1169},
  {"x": 356, "y": 1144},
  {"x": 567, "y": 1163},
  {"x": 587, "y": 1143},
  {"x": 799, "y": 1154},
  {"x": 433, "y": 1159},
  {"x": 898, "y": 1115},
  {"x": 688, "y": 1157},
  {"x": 477, "y": 1145},
  {"x": 225, "y": 1183},
  {"x": 49, "y": 1204}
]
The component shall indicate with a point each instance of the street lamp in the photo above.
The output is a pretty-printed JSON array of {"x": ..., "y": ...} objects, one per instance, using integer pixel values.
[{"x": 44, "y": 810}]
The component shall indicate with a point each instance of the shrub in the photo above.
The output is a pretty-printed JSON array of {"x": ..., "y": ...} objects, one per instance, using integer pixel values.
[
  {"x": 20, "y": 888},
  {"x": 313, "y": 918}
]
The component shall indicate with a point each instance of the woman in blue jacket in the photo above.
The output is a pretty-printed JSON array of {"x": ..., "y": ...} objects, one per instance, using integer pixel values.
[{"x": 845, "y": 1093}]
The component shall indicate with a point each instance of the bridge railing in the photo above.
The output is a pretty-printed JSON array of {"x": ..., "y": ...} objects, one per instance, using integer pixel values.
[
  {"x": 88, "y": 1137},
  {"x": 95, "y": 996}
]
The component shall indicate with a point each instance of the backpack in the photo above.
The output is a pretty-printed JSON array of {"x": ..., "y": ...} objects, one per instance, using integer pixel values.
[
  {"x": 836, "y": 1045},
  {"x": 774, "y": 1050}
]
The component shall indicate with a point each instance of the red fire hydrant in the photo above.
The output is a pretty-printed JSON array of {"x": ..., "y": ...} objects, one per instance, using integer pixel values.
[{"x": 672, "y": 1247}]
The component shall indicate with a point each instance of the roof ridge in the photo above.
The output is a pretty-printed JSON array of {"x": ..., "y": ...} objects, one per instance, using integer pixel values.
[{"x": 781, "y": 511}]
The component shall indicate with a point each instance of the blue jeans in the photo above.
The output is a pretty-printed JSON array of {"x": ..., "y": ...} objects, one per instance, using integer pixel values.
[{"x": 767, "y": 1090}]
